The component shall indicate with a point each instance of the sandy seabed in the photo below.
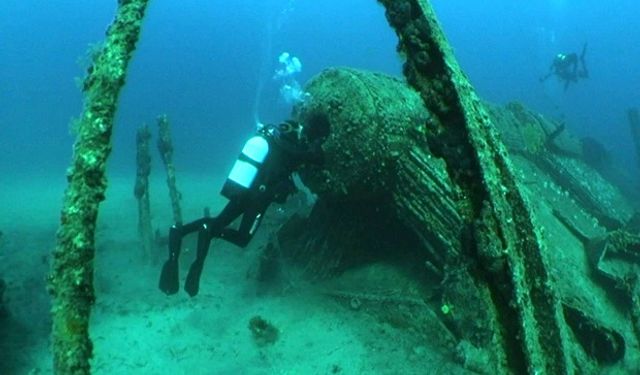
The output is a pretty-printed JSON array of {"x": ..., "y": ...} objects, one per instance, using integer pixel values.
[{"x": 136, "y": 329}]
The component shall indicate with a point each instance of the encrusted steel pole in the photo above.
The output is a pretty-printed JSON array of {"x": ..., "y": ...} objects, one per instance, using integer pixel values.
[{"x": 71, "y": 279}]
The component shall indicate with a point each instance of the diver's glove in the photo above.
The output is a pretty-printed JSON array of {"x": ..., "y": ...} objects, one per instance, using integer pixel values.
[{"x": 283, "y": 190}]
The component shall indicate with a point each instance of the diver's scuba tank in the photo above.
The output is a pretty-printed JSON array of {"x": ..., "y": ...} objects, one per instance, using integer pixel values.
[{"x": 242, "y": 177}]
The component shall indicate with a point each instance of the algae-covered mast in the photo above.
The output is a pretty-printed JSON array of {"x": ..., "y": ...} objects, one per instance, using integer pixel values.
[{"x": 71, "y": 279}]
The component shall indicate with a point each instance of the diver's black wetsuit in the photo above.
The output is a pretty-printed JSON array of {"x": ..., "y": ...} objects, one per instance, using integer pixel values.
[{"x": 273, "y": 183}]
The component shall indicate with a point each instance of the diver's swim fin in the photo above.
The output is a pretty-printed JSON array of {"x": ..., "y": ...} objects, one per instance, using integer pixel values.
[
  {"x": 169, "y": 277},
  {"x": 584, "y": 73},
  {"x": 192, "y": 284}
]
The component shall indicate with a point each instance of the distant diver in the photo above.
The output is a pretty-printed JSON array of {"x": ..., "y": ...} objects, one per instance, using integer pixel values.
[
  {"x": 260, "y": 176},
  {"x": 568, "y": 67}
]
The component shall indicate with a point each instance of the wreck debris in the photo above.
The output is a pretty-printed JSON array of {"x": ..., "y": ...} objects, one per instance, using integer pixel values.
[
  {"x": 564, "y": 161},
  {"x": 264, "y": 333},
  {"x": 335, "y": 238},
  {"x": 165, "y": 147},
  {"x": 372, "y": 158},
  {"x": 141, "y": 191},
  {"x": 615, "y": 258},
  {"x": 364, "y": 117},
  {"x": 452, "y": 185},
  {"x": 603, "y": 344}
]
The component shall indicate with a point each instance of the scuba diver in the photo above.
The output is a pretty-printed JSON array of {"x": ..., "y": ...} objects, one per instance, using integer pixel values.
[
  {"x": 568, "y": 67},
  {"x": 261, "y": 175}
]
